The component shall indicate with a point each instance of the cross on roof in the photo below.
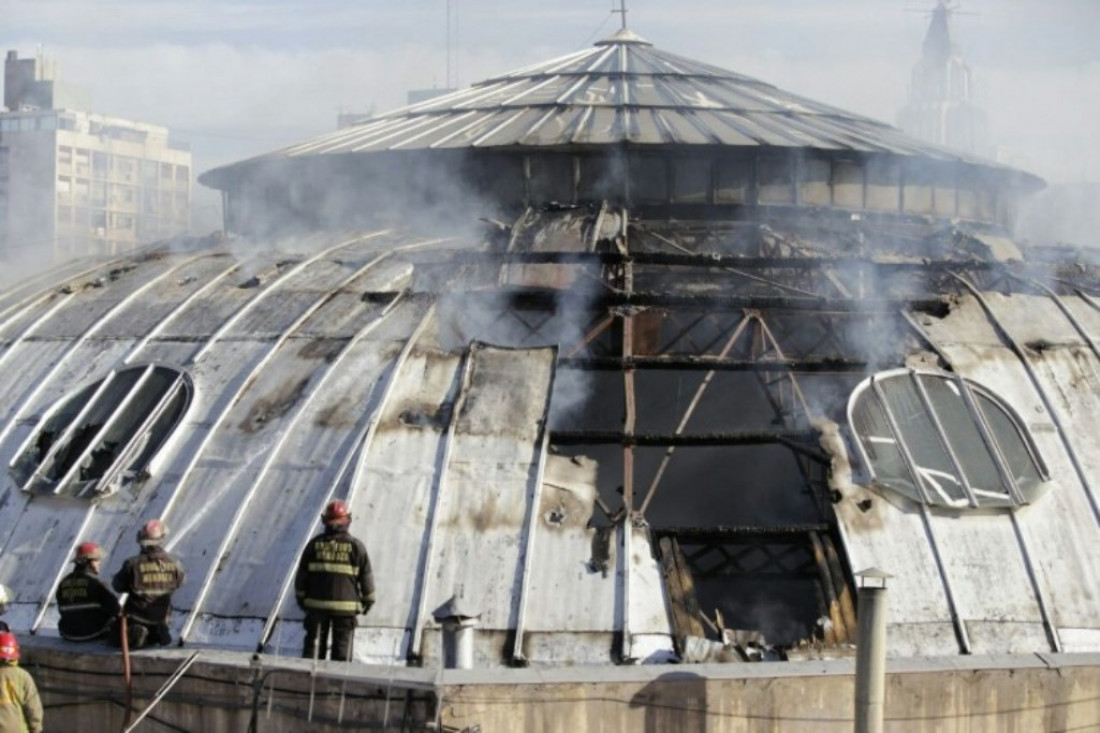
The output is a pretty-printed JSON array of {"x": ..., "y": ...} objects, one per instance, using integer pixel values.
[{"x": 621, "y": 10}]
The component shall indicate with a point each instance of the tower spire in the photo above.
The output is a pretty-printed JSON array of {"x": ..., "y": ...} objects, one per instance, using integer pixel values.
[{"x": 941, "y": 107}]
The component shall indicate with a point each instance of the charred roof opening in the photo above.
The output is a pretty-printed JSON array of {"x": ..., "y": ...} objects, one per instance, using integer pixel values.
[{"x": 105, "y": 435}]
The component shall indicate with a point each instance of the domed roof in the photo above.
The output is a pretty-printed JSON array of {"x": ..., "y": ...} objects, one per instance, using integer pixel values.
[{"x": 620, "y": 90}]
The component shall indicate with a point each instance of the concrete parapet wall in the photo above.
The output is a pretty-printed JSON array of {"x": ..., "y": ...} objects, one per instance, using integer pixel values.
[
  {"x": 222, "y": 691},
  {"x": 231, "y": 691},
  {"x": 975, "y": 701}
]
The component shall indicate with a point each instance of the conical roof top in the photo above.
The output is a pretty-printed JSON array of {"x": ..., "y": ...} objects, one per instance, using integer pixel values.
[{"x": 620, "y": 90}]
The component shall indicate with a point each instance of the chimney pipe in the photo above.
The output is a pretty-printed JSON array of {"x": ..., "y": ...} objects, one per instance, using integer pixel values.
[
  {"x": 459, "y": 623},
  {"x": 870, "y": 698}
]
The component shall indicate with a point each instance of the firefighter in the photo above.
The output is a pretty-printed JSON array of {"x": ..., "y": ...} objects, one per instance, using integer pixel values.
[
  {"x": 5, "y": 598},
  {"x": 20, "y": 706},
  {"x": 149, "y": 578},
  {"x": 88, "y": 607},
  {"x": 334, "y": 584}
]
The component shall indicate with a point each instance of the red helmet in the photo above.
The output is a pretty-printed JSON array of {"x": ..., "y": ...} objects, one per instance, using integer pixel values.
[
  {"x": 152, "y": 532},
  {"x": 86, "y": 551},
  {"x": 336, "y": 513},
  {"x": 9, "y": 647}
]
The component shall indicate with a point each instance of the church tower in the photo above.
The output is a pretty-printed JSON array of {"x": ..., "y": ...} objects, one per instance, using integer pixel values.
[{"x": 941, "y": 109}]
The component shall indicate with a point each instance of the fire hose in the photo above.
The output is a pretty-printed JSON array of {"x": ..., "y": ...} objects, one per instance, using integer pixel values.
[{"x": 124, "y": 639}]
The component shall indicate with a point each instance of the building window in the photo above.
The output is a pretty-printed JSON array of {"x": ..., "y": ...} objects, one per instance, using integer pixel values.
[
  {"x": 105, "y": 435},
  {"x": 917, "y": 189},
  {"x": 82, "y": 161},
  {"x": 649, "y": 179},
  {"x": 126, "y": 168},
  {"x": 883, "y": 181},
  {"x": 691, "y": 181},
  {"x": 150, "y": 171},
  {"x": 944, "y": 441},
  {"x": 848, "y": 184},
  {"x": 776, "y": 181},
  {"x": 733, "y": 182},
  {"x": 813, "y": 183},
  {"x": 80, "y": 190},
  {"x": 99, "y": 164}
]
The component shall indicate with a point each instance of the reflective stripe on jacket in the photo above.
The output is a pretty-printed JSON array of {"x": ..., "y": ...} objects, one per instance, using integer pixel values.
[
  {"x": 149, "y": 578},
  {"x": 334, "y": 575},
  {"x": 86, "y": 605}
]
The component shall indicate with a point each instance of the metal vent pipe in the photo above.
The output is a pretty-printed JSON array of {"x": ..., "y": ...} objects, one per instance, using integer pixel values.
[{"x": 870, "y": 698}]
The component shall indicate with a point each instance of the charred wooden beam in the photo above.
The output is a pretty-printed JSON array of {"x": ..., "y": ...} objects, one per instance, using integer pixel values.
[
  {"x": 711, "y": 363},
  {"x": 614, "y": 437},
  {"x": 673, "y": 259},
  {"x": 544, "y": 299},
  {"x": 725, "y": 532}
]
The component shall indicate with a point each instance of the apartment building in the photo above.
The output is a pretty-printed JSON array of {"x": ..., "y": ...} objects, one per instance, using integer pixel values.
[{"x": 74, "y": 182}]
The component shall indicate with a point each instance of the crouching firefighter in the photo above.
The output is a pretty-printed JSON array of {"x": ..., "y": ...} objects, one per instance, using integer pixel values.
[
  {"x": 150, "y": 579},
  {"x": 88, "y": 608},
  {"x": 334, "y": 584}
]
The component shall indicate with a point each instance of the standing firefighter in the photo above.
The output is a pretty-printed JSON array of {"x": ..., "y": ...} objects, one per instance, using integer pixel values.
[
  {"x": 149, "y": 578},
  {"x": 20, "y": 706},
  {"x": 334, "y": 584},
  {"x": 88, "y": 607}
]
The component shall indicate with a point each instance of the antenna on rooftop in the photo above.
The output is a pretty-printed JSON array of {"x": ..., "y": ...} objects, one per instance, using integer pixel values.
[
  {"x": 953, "y": 7},
  {"x": 621, "y": 10},
  {"x": 452, "y": 33}
]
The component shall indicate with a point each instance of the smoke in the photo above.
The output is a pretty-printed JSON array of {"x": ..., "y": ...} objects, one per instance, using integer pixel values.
[{"x": 1066, "y": 213}]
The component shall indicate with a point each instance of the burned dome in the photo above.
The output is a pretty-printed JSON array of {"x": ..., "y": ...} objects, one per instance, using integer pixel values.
[{"x": 636, "y": 357}]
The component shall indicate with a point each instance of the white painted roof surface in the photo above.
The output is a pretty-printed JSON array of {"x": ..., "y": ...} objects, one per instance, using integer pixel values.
[
  {"x": 304, "y": 390},
  {"x": 1004, "y": 570},
  {"x": 318, "y": 374}
]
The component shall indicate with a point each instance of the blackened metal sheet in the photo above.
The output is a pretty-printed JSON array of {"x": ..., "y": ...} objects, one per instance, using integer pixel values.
[
  {"x": 573, "y": 580},
  {"x": 489, "y": 481},
  {"x": 890, "y": 535},
  {"x": 287, "y": 503},
  {"x": 395, "y": 490}
]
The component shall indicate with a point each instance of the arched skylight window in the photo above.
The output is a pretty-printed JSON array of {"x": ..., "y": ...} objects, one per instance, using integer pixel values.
[
  {"x": 942, "y": 440},
  {"x": 105, "y": 435}
]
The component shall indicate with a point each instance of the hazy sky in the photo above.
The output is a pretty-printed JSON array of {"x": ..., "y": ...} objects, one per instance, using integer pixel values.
[{"x": 239, "y": 77}]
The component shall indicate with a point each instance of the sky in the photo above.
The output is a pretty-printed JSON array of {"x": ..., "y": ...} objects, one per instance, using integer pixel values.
[{"x": 236, "y": 78}]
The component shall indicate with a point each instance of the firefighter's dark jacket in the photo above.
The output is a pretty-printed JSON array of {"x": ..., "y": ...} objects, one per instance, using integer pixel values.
[
  {"x": 334, "y": 575},
  {"x": 149, "y": 578},
  {"x": 86, "y": 604}
]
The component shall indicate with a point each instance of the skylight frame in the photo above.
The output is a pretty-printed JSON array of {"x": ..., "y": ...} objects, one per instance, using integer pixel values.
[
  {"x": 31, "y": 471},
  {"x": 925, "y": 484}
]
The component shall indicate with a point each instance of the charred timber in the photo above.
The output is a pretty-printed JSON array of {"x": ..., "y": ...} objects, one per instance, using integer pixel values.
[
  {"x": 746, "y": 437},
  {"x": 697, "y": 363},
  {"x": 713, "y": 260},
  {"x": 553, "y": 299},
  {"x": 723, "y": 533}
]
